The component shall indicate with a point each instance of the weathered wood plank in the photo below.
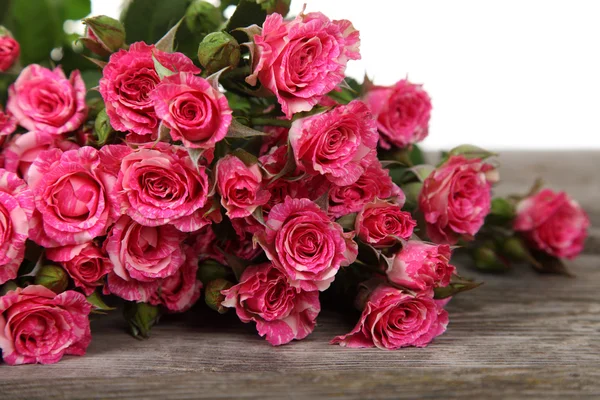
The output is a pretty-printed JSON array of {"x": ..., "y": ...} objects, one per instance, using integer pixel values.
[{"x": 520, "y": 335}]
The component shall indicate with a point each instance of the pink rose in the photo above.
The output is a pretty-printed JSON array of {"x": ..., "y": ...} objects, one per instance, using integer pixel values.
[
  {"x": 380, "y": 224},
  {"x": 393, "y": 319},
  {"x": 127, "y": 82},
  {"x": 39, "y": 326},
  {"x": 281, "y": 312},
  {"x": 339, "y": 143},
  {"x": 180, "y": 291},
  {"x": 303, "y": 59},
  {"x": 420, "y": 266},
  {"x": 9, "y": 52},
  {"x": 86, "y": 263},
  {"x": 239, "y": 187},
  {"x": 194, "y": 111},
  {"x": 302, "y": 240},
  {"x": 16, "y": 209},
  {"x": 71, "y": 197},
  {"x": 142, "y": 256},
  {"x": 402, "y": 112},
  {"x": 159, "y": 184},
  {"x": 8, "y": 124},
  {"x": 374, "y": 183},
  {"x": 45, "y": 100},
  {"x": 456, "y": 198},
  {"x": 553, "y": 223},
  {"x": 23, "y": 149}
]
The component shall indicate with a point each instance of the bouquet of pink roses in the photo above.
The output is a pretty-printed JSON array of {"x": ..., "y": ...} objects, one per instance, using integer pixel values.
[{"x": 232, "y": 160}]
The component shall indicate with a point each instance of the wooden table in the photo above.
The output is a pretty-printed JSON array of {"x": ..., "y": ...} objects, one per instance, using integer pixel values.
[{"x": 520, "y": 335}]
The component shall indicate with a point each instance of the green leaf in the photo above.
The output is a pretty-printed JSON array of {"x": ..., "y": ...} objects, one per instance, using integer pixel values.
[
  {"x": 416, "y": 155},
  {"x": 102, "y": 128},
  {"x": 470, "y": 151},
  {"x": 458, "y": 284},
  {"x": 167, "y": 42},
  {"x": 347, "y": 221},
  {"x": 237, "y": 130},
  {"x": 141, "y": 318},
  {"x": 247, "y": 158},
  {"x": 95, "y": 299},
  {"x": 246, "y": 13},
  {"x": 149, "y": 20},
  {"x": 161, "y": 70}
]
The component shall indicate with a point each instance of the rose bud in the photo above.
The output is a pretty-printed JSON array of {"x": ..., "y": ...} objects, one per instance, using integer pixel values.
[
  {"x": 552, "y": 222},
  {"x": 53, "y": 277},
  {"x": 487, "y": 259},
  {"x": 303, "y": 59},
  {"x": 381, "y": 224},
  {"x": 102, "y": 128},
  {"x": 209, "y": 270},
  {"x": 392, "y": 319},
  {"x": 218, "y": 50},
  {"x": 420, "y": 266},
  {"x": 141, "y": 318},
  {"x": 456, "y": 198},
  {"x": 402, "y": 112},
  {"x": 39, "y": 326},
  {"x": 103, "y": 35},
  {"x": 213, "y": 295},
  {"x": 201, "y": 17},
  {"x": 9, "y": 50},
  {"x": 281, "y": 312}
]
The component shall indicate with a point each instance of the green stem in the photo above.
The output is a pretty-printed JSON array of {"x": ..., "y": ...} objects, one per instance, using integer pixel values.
[{"x": 270, "y": 122}]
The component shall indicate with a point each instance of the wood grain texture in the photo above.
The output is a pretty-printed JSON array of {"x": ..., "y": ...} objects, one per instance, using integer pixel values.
[{"x": 520, "y": 335}]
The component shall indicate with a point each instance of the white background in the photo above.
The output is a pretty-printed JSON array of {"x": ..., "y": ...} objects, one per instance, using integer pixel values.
[{"x": 501, "y": 74}]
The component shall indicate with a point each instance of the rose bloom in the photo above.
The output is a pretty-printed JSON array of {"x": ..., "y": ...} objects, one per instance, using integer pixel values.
[
  {"x": 339, "y": 143},
  {"x": 456, "y": 198},
  {"x": 39, "y": 326},
  {"x": 9, "y": 52},
  {"x": 374, "y": 183},
  {"x": 419, "y": 266},
  {"x": 141, "y": 257},
  {"x": 127, "y": 83},
  {"x": 303, "y": 59},
  {"x": 194, "y": 111},
  {"x": 71, "y": 197},
  {"x": 45, "y": 100},
  {"x": 381, "y": 223},
  {"x": 402, "y": 112},
  {"x": 16, "y": 209},
  {"x": 23, "y": 149},
  {"x": 86, "y": 264},
  {"x": 392, "y": 319},
  {"x": 302, "y": 240},
  {"x": 8, "y": 124},
  {"x": 239, "y": 187},
  {"x": 180, "y": 291},
  {"x": 281, "y": 312},
  {"x": 159, "y": 184},
  {"x": 553, "y": 223}
]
